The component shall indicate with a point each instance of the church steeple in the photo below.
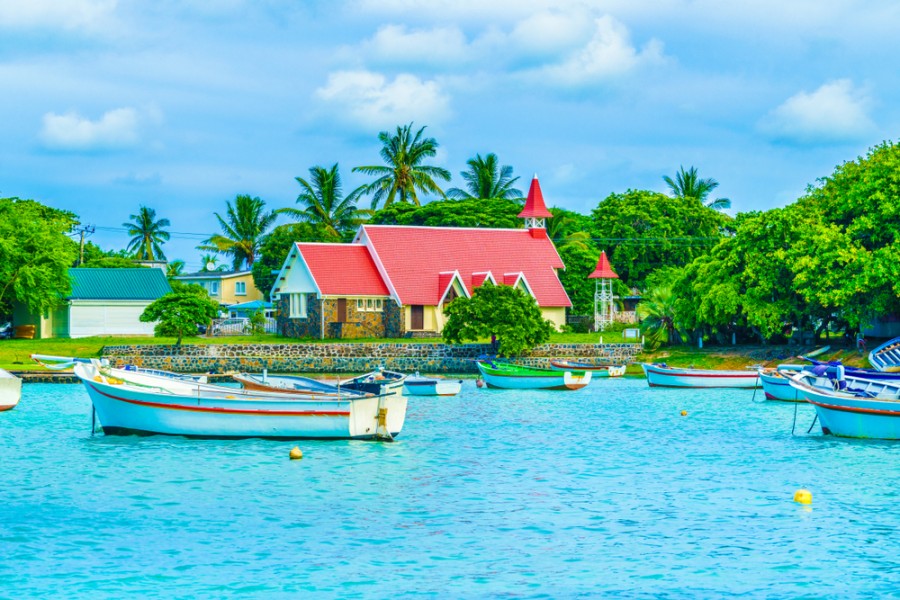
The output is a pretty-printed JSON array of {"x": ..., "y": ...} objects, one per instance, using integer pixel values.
[{"x": 535, "y": 212}]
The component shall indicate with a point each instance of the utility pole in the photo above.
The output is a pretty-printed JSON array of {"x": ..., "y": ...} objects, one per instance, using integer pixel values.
[{"x": 87, "y": 229}]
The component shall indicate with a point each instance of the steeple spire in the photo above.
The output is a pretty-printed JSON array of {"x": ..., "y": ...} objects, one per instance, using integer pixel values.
[{"x": 535, "y": 210}]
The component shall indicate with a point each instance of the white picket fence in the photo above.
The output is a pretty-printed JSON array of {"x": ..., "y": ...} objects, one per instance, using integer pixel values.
[{"x": 237, "y": 326}]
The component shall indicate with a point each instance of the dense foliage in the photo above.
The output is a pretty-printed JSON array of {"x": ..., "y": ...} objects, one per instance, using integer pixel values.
[
  {"x": 643, "y": 231},
  {"x": 35, "y": 254},
  {"x": 179, "y": 313},
  {"x": 453, "y": 213},
  {"x": 497, "y": 310},
  {"x": 324, "y": 205},
  {"x": 243, "y": 227}
]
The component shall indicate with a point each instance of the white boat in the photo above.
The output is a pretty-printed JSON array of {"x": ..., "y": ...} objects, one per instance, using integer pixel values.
[
  {"x": 128, "y": 402},
  {"x": 10, "y": 390},
  {"x": 291, "y": 384},
  {"x": 852, "y": 407},
  {"x": 776, "y": 383},
  {"x": 379, "y": 381},
  {"x": 417, "y": 385},
  {"x": 886, "y": 357},
  {"x": 57, "y": 363},
  {"x": 661, "y": 375}
]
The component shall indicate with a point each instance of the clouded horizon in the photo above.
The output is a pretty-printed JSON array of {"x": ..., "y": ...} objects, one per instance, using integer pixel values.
[{"x": 181, "y": 106}]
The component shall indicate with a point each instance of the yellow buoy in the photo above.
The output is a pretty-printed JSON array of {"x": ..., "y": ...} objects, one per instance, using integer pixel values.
[
  {"x": 684, "y": 413},
  {"x": 803, "y": 497},
  {"x": 296, "y": 453}
]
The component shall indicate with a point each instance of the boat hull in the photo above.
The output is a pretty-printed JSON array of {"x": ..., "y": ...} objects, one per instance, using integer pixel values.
[
  {"x": 596, "y": 370},
  {"x": 534, "y": 379},
  {"x": 851, "y": 417},
  {"x": 123, "y": 408},
  {"x": 431, "y": 387},
  {"x": 10, "y": 390},
  {"x": 777, "y": 387},
  {"x": 658, "y": 376}
]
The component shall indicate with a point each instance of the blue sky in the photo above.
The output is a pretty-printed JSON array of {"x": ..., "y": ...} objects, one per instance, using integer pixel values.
[{"x": 109, "y": 105}]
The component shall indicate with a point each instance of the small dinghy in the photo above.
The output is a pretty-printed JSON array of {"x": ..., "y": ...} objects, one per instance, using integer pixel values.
[
  {"x": 291, "y": 384},
  {"x": 379, "y": 381},
  {"x": 886, "y": 357},
  {"x": 661, "y": 375},
  {"x": 596, "y": 370},
  {"x": 417, "y": 385},
  {"x": 10, "y": 390},
  {"x": 776, "y": 383},
  {"x": 516, "y": 377}
]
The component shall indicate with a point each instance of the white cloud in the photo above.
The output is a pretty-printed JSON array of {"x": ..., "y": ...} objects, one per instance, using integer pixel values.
[
  {"x": 118, "y": 128},
  {"x": 65, "y": 14},
  {"x": 607, "y": 54},
  {"x": 551, "y": 32},
  {"x": 833, "y": 113},
  {"x": 399, "y": 45},
  {"x": 371, "y": 100}
]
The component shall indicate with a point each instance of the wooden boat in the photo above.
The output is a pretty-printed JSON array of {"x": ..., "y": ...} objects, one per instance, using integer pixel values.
[
  {"x": 596, "y": 370},
  {"x": 291, "y": 384},
  {"x": 57, "y": 363},
  {"x": 10, "y": 390},
  {"x": 516, "y": 377},
  {"x": 661, "y": 375},
  {"x": 417, "y": 385},
  {"x": 777, "y": 385},
  {"x": 379, "y": 381},
  {"x": 128, "y": 402},
  {"x": 886, "y": 357},
  {"x": 852, "y": 407}
]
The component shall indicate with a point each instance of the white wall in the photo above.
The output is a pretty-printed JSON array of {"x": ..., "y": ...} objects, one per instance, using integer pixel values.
[{"x": 88, "y": 318}]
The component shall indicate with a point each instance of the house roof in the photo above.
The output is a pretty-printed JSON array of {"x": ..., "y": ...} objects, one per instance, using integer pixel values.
[
  {"x": 412, "y": 258},
  {"x": 252, "y": 305},
  {"x": 212, "y": 275},
  {"x": 534, "y": 203},
  {"x": 343, "y": 269},
  {"x": 604, "y": 270},
  {"x": 118, "y": 284}
]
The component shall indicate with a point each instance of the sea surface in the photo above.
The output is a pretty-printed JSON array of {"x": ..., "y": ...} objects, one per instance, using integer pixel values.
[{"x": 604, "y": 491}]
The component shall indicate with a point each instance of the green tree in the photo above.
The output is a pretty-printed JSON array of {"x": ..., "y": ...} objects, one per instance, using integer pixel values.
[
  {"x": 486, "y": 180},
  {"x": 244, "y": 225},
  {"x": 404, "y": 174},
  {"x": 570, "y": 229},
  {"x": 175, "y": 269},
  {"x": 324, "y": 203},
  {"x": 499, "y": 310},
  {"x": 179, "y": 313},
  {"x": 35, "y": 254},
  {"x": 658, "y": 318},
  {"x": 275, "y": 247},
  {"x": 687, "y": 184},
  {"x": 148, "y": 235},
  {"x": 644, "y": 231},
  {"x": 452, "y": 213}
]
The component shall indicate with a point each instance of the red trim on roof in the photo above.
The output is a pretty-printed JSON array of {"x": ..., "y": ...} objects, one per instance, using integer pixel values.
[
  {"x": 604, "y": 270},
  {"x": 534, "y": 203},
  {"x": 342, "y": 269},
  {"x": 412, "y": 256}
]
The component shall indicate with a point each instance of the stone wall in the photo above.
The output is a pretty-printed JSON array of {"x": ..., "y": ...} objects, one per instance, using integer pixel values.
[{"x": 350, "y": 358}]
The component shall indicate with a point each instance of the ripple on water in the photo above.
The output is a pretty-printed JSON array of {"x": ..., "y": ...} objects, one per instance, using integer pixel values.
[{"x": 488, "y": 493}]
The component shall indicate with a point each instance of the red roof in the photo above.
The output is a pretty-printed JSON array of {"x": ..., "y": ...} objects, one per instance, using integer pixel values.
[
  {"x": 413, "y": 258},
  {"x": 534, "y": 203},
  {"x": 604, "y": 269},
  {"x": 343, "y": 269},
  {"x": 478, "y": 278}
]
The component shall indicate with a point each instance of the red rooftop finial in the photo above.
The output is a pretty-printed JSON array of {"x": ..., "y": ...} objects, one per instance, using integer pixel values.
[
  {"x": 534, "y": 204},
  {"x": 604, "y": 269}
]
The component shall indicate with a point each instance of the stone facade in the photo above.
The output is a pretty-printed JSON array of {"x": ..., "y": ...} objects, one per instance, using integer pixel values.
[
  {"x": 359, "y": 323},
  {"x": 350, "y": 358}
]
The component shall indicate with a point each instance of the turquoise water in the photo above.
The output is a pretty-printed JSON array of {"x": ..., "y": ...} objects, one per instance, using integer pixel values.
[{"x": 491, "y": 493}]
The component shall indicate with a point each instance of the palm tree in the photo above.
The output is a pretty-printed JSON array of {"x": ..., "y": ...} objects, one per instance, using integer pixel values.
[
  {"x": 244, "y": 226},
  {"x": 688, "y": 185},
  {"x": 404, "y": 174},
  {"x": 148, "y": 233},
  {"x": 324, "y": 203},
  {"x": 175, "y": 268},
  {"x": 562, "y": 230},
  {"x": 657, "y": 312},
  {"x": 486, "y": 180},
  {"x": 209, "y": 262}
]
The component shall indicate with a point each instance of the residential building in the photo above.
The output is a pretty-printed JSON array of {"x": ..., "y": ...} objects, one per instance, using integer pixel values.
[
  {"x": 102, "y": 302},
  {"x": 395, "y": 281},
  {"x": 225, "y": 287}
]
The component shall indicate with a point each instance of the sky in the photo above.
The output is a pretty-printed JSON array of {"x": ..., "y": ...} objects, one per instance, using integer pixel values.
[{"x": 111, "y": 105}]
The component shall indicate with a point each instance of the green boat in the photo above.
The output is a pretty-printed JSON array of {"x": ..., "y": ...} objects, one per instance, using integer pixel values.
[{"x": 516, "y": 377}]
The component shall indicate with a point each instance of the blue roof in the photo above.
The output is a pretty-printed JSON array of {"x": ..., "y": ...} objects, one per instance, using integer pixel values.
[
  {"x": 252, "y": 305},
  {"x": 118, "y": 284}
]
